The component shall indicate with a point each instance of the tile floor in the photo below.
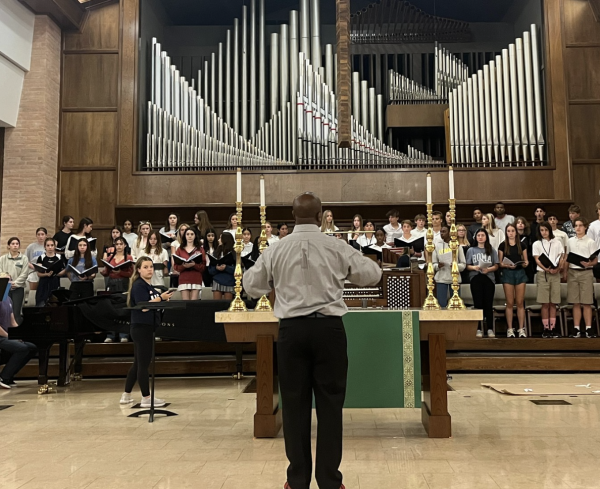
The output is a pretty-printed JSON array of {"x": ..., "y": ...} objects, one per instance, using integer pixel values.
[{"x": 82, "y": 438}]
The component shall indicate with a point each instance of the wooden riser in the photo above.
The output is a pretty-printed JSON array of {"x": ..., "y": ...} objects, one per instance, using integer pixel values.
[
  {"x": 520, "y": 362},
  {"x": 118, "y": 367}
]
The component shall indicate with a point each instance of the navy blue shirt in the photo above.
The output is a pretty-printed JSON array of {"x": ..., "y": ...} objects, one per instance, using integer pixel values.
[{"x": 142, "y": 291}]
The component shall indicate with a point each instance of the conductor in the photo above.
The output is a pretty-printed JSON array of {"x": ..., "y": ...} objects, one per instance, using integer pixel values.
[{"x": 307, "y": 270}]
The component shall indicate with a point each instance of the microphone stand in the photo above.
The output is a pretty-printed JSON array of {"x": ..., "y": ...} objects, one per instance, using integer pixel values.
[{"x": 160, "y": 307}]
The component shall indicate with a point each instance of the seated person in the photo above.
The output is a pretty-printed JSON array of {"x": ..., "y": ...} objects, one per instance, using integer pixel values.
[{"x": 20, "y": 351}]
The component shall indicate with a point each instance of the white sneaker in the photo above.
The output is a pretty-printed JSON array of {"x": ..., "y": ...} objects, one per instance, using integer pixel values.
[
  {"x": 522, "y": 333},
  {"x": 4, "y": 384},
  {"x": 491, "y": 334},
  {"x": 124, "y": 340},
  {"x": 479, "y": 334},
  {"x": 108, "y": 340},
  {"x": 157, "y": 402},
  {"x": 126, "y": 398},
  {"x": 510, "y": 333}
]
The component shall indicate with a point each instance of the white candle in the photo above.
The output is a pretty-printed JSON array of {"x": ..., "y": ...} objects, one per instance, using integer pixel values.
[
  {"x": 451, "y": 177},
  {"x": 239, "y": 185},
  {"x": 262, "y": 191},
  {"x": 429, "y": 188}
]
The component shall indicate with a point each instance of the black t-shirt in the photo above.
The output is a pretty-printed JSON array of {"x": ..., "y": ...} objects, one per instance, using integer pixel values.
[
  {"x": 61, "y": 238},
  {"x": 512, "y": 253},
  {"x": 142, "y": 291}
]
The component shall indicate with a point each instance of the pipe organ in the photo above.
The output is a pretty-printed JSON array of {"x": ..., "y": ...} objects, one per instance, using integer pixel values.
[
  {"x": 270, "y": 106},
  {"x": 294, "y": 127},
  {"x": 497, "y": 115}
]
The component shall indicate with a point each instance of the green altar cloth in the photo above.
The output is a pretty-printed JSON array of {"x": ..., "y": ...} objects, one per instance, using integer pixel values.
[{"x": 384, "y": 358}]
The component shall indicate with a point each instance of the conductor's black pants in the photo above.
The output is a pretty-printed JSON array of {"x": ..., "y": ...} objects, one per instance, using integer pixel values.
[{"x": 312, "y": 358}]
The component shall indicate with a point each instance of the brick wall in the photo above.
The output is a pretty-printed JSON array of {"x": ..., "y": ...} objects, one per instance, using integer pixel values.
[{"x": 31, "y": 149}]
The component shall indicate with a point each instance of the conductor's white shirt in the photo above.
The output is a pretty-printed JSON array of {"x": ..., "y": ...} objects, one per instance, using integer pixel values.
[{"x": 308, "y": 270}]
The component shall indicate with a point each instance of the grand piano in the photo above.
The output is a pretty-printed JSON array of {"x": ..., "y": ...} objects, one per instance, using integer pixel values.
[{"x": 75, "y": 321}]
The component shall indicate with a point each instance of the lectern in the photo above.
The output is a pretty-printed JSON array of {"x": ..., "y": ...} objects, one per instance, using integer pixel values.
[{"x": 435, "y": 327}]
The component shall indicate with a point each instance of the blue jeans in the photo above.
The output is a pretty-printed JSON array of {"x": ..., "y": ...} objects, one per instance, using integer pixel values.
[
  {"x": 442, "y": 293},
  {"x": 20, "y": 353}
]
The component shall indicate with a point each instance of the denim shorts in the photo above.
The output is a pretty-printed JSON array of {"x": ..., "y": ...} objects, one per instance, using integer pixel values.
[{"x": 514, "y": 277}]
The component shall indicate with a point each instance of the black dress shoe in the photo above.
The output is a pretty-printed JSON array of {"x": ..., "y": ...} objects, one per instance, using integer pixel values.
[
  {"x": 577, "y": 334},
  {"x": 546, "y": 333},
  {"x": 589, "y": 334},
  {"x": 555, "y": 334}
]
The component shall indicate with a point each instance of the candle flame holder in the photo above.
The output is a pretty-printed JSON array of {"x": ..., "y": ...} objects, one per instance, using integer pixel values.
[{"x": 238, "y": 305}]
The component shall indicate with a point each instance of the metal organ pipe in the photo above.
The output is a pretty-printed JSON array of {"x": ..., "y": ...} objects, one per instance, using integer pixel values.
[
  {"x": 244, "y": 72},
  {"x": 305, "y": 28},
  {"x": 236, "y": 79},
  {"x": 262, "y": 66},
  {"x": 294, "y": 47},
  {"x": 274, "y": 74},
  {"x": 537, "y": 89},
  {"x": 284, "y": 86},
  {"x": 227, "y": 116},
  {"x": 252, "y": 55},
  {"x": 315, "y": 33},
  {"x": 522, "y": 98}
]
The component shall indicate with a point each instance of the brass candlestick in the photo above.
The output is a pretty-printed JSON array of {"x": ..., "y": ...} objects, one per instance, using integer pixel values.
[
  {"x": 237, "y": 305},
  {"x": 455, "y": 302},
  {"x": 263, "y": 303},
  {"x": 430, "y": 302}
]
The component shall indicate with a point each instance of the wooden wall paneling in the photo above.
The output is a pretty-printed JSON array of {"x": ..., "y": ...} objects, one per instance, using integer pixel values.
[
  {"x": 582, "y": 66},
  {"x": 587, "y": 184},
  {"x": 89, "y": 193},
  {"x": 128, "y": 103},
  {"x": 101, "y": 31},
  {"x": 90, "y": 80},
  {"x": 556, "y": 101},
  {"x": 580, "y": 25},
  {"x": 89, "y": 139},
  {"x": 393, "y": 188},
  {"x": 585, "y": 122}
]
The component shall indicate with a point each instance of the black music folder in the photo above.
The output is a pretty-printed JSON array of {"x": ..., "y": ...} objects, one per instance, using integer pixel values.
[
  {"x": 159, "y": 266},
  {"x": 166, "y": 239},
  {"x": 247, "y": 261},
  {"x": 197, "y": 258},
  {"x": 228, "y": 259},
  {"x": 75, "y": 242},
  {"x": 56, "y": 267},
  {"x": 367, "y": 250},
  {"x": 85, "y": 273},
  {"x": 547, "y": 262},
  {"x": 116, "y": 268},
  {"x": 417, "y": 244},
  {"x": 576, "y": 259}
]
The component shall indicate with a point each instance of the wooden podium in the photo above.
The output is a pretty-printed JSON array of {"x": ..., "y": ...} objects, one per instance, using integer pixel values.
[
  {"x": 261, "y": 328},
  {"x": 435, "y": 328}
]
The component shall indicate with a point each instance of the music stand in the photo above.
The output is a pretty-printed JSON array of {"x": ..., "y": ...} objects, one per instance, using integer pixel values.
[{"x": 160, "y": 307}]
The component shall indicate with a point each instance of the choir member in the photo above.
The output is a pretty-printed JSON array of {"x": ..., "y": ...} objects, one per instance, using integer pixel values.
[
  {"x": 482, "y": 262},
  {"x": 271, "y": 238},
  {"x": 33, "y": 252},
  {"x": 202, "y": 223},
  {"x": 169, "y": 230},
  {"x": 62, "y": 236},
  {"x": 420, "y": 231},
  {"x": 357, "y": 225},
  {"x": 442, "y": 265},
  {"x": 159, "y": 256},
  {"x": 514, "y": 278},
  {"x": 580, "y": 284},
  {"x": 137, "y": 249},
  {"x": 15, "y": 264},
  {"x": 559, "y": 234},
  {"x": 143, "y": 323},
  {"x": 223, "y": 279},
  {"x": 83, "y": 231},
  {"x": 548, "y": 253},
  {"x": 462, "y": 234},
  {"x": 327, "y": 223},
  {"x": 367, "y": 238},
  {"x": 247, "y": 241},
  {"x": 569, "y": 226},
  {"x": 232, "y": 225},
  {"x": 190, "y": 274},
  {"x": 82, "y": 286},
  {"x": 49, "y": 280},
  {"x": 472, "y": 229},
  {"x": 501, "y": 218},
  {"x": 128, "y": 233},
  {"x": 496, "y": 236},
  {"x": 393, "y": 229},
  {"x": 282, "y": 230}
]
